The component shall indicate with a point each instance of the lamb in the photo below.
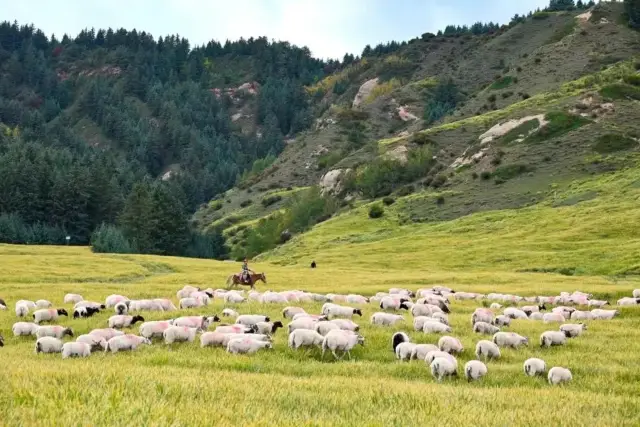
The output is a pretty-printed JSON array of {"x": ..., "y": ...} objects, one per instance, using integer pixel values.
[
  {"x": 166, "y": 304},
  {"x": 346, "y": 325},
  {"x": 488, "y": 350},
  {"x": 599, "y": 314},
  {"x": 72, "y": 298},
  {"x": 450, "y": 345},
  {"x": 268, "y": 328},
  {"x": 474, "y": 370},
  {"x": 121, "y": 307},
  {"x": 236, "y": 329},
  {"x": 121, "y": 321},
  {"x": 441, "y": 367},
  {"x": 154, "y": 329},
  {"x": 558, "y": 375},
  {"x": 246, "y": 346},
  {"x": 572, "y": 330},
  {"x": 510, "y": 339},
  {"x": 394, "y": 303},
  {"x": 112, "y": 300},
  {"x": 334, "y": 311},
  {"x": 228, "y": 312},
  {"x": 95, "y": 342},
  {"x": 502, "y": 321},
  {"x": 581, "y": 315},
  {"x": 485, "y": 328},
  {"x": 418, "y": 322},
  {"x": 343, "y": 341},
  {"x": 324, "y": 327},
  {"x": 75, "y": 349},
  {"x": 43, "y": 303},
  {"x": 106, "y": 333},
  {"x": 179, "y": 334},
  {"x": 386, "y": 319},
  {"x": 515, "y": 313},
  {"x": 495, "y": 306},
  {"x": 233, "y": 298},
  {"x": 200, "y": 322},
  {"x": 305, "y": 338},
  {"x": 435, "y": 328},
  {"x": 482, "y": 315},
  {"x": 549, "y": 338},
  {"x": 420, "y": 351},
  {"x": 22, "y": 310},
  {"x": 127, "y": 342},
  {"x": 289, "y": 312},
  {"x": 534, "y": 366},
  {"x": 24, "y": 329},
  {"x": 564, "y": 311},
  {"x": 404, "y": 350},
  {"x": 85, "y": 312},
  {"x": 53, "y": 331},
  {"x": 48, "y": 345},
  {"x": 251, "y": 319}
]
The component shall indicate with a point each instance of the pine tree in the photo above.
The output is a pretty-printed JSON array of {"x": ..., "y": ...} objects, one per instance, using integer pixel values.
[
  {"x": 632, "y": 7},
  {"x": 169, "y": 226},
  {"x": 136, "y": 218}
]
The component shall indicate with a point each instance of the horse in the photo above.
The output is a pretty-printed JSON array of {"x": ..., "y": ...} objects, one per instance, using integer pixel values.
[{"x": 236, "y": 279}]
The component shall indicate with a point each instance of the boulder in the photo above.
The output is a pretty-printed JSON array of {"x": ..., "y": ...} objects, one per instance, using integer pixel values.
[
  {"x": 364, "y": 92},
  {"x": 330, "y": 182}
]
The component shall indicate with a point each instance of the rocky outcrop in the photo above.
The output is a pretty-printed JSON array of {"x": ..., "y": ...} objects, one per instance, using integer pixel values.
[
  {"x": 364, "y": 92},
  {"x": 330, "y": 182},
  {"x": 502, "y": 129},
  {"x": 400, "y": 154}
]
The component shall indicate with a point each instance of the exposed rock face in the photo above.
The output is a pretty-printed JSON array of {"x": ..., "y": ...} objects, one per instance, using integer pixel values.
[
  {"x": 399, "y": 153},
  {"x": 364, "y": 92},
  {"x": 405, "y": 115},
  {"x": 330, "y": 182},
  {"x": 502, "y": 129}
]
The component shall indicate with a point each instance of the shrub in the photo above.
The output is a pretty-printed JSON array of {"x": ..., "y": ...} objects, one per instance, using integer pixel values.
[
  {"x": 492, "y": 98},
  {"x": 329, "y": 159},
  {"x": 519, "y": 69},
  {"x": 439, "y": 180},
  {"x": 541, "y": 15},
  {"x": 109, "y": 239},
  {"x": 506, "y": 95},
  {"x": 388, "y": 201},
  {"x": 216, "y": 206},
  {"x": 537, "y": 60},
  {"x": 632, "y": 79},
  {"x": 474, "y": 175},
  {"x": 441, "y": 100},
  {"x": 611, "y": 143},
  {"x": 485, "y": 175},
  {"x": 376, "y": 211},
  {"x": 405, "y": 191},
  {"x": 14, "y": 230},
  {"x": 502, "y": 83},
  {"x": 620, "y": 91},
  {"x": 421, "y": 139},
  {"x": 504, "y": 173},
  {"x": 525, "y": 96},
  {"x": 246, "y": 203},
  {"x": 270, "y": 200},
  {"x": 559, "y": 124},
  {"x": 440, "y": 200}
]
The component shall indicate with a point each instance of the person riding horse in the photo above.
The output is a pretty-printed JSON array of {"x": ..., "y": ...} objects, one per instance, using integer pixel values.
[{"x": 244, "y": 275}]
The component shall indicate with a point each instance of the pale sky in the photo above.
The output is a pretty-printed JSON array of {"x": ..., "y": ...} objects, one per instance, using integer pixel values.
[{"x": 330, "y": 28}]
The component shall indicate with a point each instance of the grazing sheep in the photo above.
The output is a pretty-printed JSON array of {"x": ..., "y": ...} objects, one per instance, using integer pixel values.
[
  {"x": 106, "y": 333},
  {"x": 22, "y": 310},
  {"x": 436, "y": 301},
  {"x": 488, "y": 350},
  {"x": 628, "y": 301},
  {"x": 268, "y": 328},
  {"x": 236, "y": 329},
  {"x": 435, "y": 328},
  {"x": 502, "y": 321},
  {"x": 581, "y": 315},
  {"x": 228, "y": 312},
  {"x": 572, "y": 330},
  {"x": 441, "y": 317},
  {"x": 305, "y": 338},
  {"x": 425, "y": 310},
  {"x": 289, "y": 312},
  {"x": 441, "y": 367},
  {"x": 398, "y": 338},
  {"x": 95, "y": 342},
  {"x": 418, "y": 322},
  {"x": 636, "y": 293},
  {"x": 203, "y": 297},
  {"x": 345, "y": 325},
  {"x": 549, "y": 338},
  {"x": 212, "y": 339},
  {"x": 127, "y": 342},
  {"x": 75, "y": 349},
  {"x": 154, "y": 329},
  {"x": 119, "y": 322},
  {"x": 91, "y": 304},
  {"x": 251, "y": 319},
  {"x": 432, "y": 355},
  {"x": 485, "y": 328},
  {"x": 54, "y": 331},
  {"x": 72, "y": 298},
  {"x": 528, "y": 309},
  {"x": 317, "y": 317},
  {"x": 515, "y": 313},
  {"x": 564, "y": 311},
  {"x": 534, "y": 366},
  {"x": 255, "y": 337},
  {"x": 536, "y": 316},
  {"x": 179, "y": 334},
  {"x": 510, "y": 339},
  {"x": 599, "y": 314},
  {"x": 121, "y": 307},
  {"x": 3, "y": 304},
  {"x": 450, "y": 345},
  {"x": 48, "y": 345},
  {"x": 495, "y": 306},
  {"x": 482, "y": 315},
  {"x": 200, "y": 322},
  {"x": 273, "y": 298},
  {"x": 337, "y": 311},
  {"x": 386, "y": 319},
  {"x": 246, "y": 346},
  {"x": 474, "y": 370},
  {"x": 404, "y": 350},
  {"x": 234, "y": 298},
  {"x": 341, "y": 341},
  {"x": 597, "y": 303},
  {"x": 43, "y": 303},
  {"x": 24, "y": 329},
  {"x": 394, "y": 303},
  {"x": 145, "y": 304},
  {"x": 356, "y": 299},
  {"x": 112, "y": 300},
  {"x": 85, "y": 312},
  {"x": 420, "y": 351},
  {"x": 318, "y": 297},
  {"x": 324, "y": 327},
  {"x": 190, "y": 302},
  {"x": 558, "y": 375},
  {"x": 166, "y": 304}
]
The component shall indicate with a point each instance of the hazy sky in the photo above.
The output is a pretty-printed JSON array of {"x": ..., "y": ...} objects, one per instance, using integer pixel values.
[{"x": 328, "y": 27}]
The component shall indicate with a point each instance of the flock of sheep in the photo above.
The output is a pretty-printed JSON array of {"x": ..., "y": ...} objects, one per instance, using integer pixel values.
[{"x": 331, "y": 330}]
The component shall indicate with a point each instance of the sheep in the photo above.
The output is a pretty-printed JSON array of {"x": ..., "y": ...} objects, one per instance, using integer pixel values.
[
  {"x": 24, "y": 329},
  {"x": 95, "y": 342},
  {"x": 186, "y": 292},
  {"x": 305, "y": 338},
  {"x": 289, "y": 312},
  {"x": 394, "y": 303},
  {"x": 636, "y": 293},
  {"x": 424, "y": 310},
  {"x": 72, "y": 298},
  {"x": 92, "y": 304},
  {"x": 441, "y": 317},
  {"x": 316, "y": 317},
  {"x": 564, "y": 311},
  {"x": 398, "y": 338},
  {"x": 255, "y": 337},
  {"x": 127, "y": 342},
  {"x": 106, "y": 333},
  {"x": 343, "y": 341},
  {"x": 441, "y": 367},
  {"x": 53, "y": 331},
  {"x": 385, "y": 319},
  {"x": 488, "y": 350},
  {"x": 302, "y": 323},
  {"x": 218, "y": 339},
  {"x": 534, "y": 366},
  {"x": 112, "y": 300},
  {"x": 581, "y": 315},
  {"x": 356, "y": 299},
  {"x": 536, "y": 316},
  {"x": 558, "y": 375},
  {"x": 154, "y": 329},
  {"x": 450, "y": 345},
  {"x": 432, "y": 355},
  {"x": 628, "y": 301},
  {"x": 166, "y": 304},
  {"x": 599, "y": 314},
  {"x": 190, "y": 302},
  {"x": 234, "y": 298},
  {"x": 549, "y": 338},
  {"x": 345, "y": 325},
  {"x": 465, "y": 296},
  {"x": 572, "y": 330},
  {"x": 228, "y": 312},
  {"x": 145, "y": 304},
  {"x": 510, "y": 339},
  {"x": 85, "y": 312},
  {"x": 420, "y": 351},
  {"x": 485, "y": 328},
  {"x": 272, "y": 298},
  {"x": 502, "y": 321},
  {"x": 334, "y": 311},
  {"x": 22, "y": 310},
  {"x": 119, "y": 322},
  {"x": 482, "y": 315},
  {"x": 495, "y": 306},
  {"x": 597, "y": 303},
  {"x": 435, "y": 328},
  {"x": 246, "y": 346},
  {"x": 48, "y": 345},
  {"x": 236, "y": 329},
  {"x": 3, "y": 304},
  {"x": 441, "y": 303},
  {"x": 404, "y": 350},
  {"x": 318, "y": 297},
  {"x": 418, "y": 322},
  {"x": 75, "y": 349},
  {"x": 474, "y": 370},
  {"x": 528, "y": 309},
  {"x": 43, "y": 303},
  {"x": 324, "y": 327},
  {"x": 200, "y": 322},
  {"x": 515, "y": 313},
  {"x": 203, "y": 297},
  {"x": 268, "y": 328},
  {"x": 179, "y": 334},
  {"x": 251, "y": 319}
]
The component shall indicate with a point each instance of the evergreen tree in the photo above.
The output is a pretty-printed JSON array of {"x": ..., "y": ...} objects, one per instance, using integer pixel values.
[
  {"x": 136, "y": 218},
  {"x": 169, "y": 227},
  {"x": 632, "y": 7}
]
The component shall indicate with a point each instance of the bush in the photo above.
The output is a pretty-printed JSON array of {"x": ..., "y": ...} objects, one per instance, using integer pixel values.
[
  {"x": 474, "y": 175},
  {"x": 613, "y": 142},
  {"x": 559, "y": 124},
  {"x": 406, "y": 190},
  {"x": 632, "y": 79},
  {"x": 210, "y": 245},
  {"x": 492, "y": 98},
  {"x": 109, "y": 239},
  {"x": 537, "y": 60},
  {"x": 504, "y": 173},
  {"x": 439, "y": 180},
  {"x": 14, "y": 230},
  {"x": 506, "y": 95},
  {"x": 376, "y": 211},
  {"x": 216, "y": 206},
  {"x": 441, "y": 100},
  {"x": 388, "y": 201},
  {"x": 329, "y": 159},
  {"x": 485, "y": 175},
  {"x": 519, "y": 69},
  {"x": 246, "y": 203},
  {"x": 502, "y": 83},
  {"x": 620, "y": 91},
  {"x": 419, "y": 138},
  {"x": 525, "y": 96},
  {"x": 440, "y": 200},
  {"x": 270, "y": 200}
]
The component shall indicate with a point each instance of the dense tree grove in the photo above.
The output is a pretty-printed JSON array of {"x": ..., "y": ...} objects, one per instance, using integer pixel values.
[{"x": 632, "y": 7}]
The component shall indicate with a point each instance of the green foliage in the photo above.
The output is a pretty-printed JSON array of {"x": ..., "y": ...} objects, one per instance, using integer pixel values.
[
  {"x": 502, "y": 83},
  {"x": 405, "y": 190},
  {"x": 376, "y": 211},
  {"x": 245, "y": 203},
  {"x": 259, "y": 166},
  {"x": 559, "y": 124},
  {"x": 541, "y": 15},
  {"x": 420, "y": 138},
  {"x": 329, "y": 159},
  {"x": 613, "y": 142},
  {"x": 523, "y": 129},
  {"x": 560, "y": 5},
  {"x": 340, "y": 87},
  {"x": 441, "y": 101},
  {"x": 388, "y": 201},
  {"x": 110, "y": 239},
  {"x": 632, "y": 9},
  {"x": 507, "y": 172},
  {"x": 632, "y": 79},
  {"x": 208, "y": 245},
  {"x": 270, "y": 200},
  {"x": 382, "y": 89},
  {"x": 14, "y": 230},
  {"x": 395, "y": 67},
  {"x": 620, "y": 91},
  {"x": 492, "y": 98},
  {"x": 352, "y": 125}
]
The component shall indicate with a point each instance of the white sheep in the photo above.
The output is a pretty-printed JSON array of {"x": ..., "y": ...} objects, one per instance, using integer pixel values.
[
  {"x": 398, "y": 338},
  {"x": 24, "y": 328},
  {"x": 441, "y": 317},
  {"x": 559, "y": 375},
  {"x": 212, "y": 339},
  {"x": 179, "y": 334},
  {"x": 186, "y": 291},
  {"x": 534, "y": 366},
  {"x": 48, "y": 345},
  {"x": 123, "y": 321},
  {"x": 338, "y": 311},
  {"x": 324, "y": 327},
  {"x": 572, "y": 330},
  {"x": 430, "y": 327},
  {"x": 166, "y": 304},
  {"x": 233, "y": 298},
  {"x": 599, "y": 314},
  {"x": 450, "y": 345},
  {"x": 502, "y": 320},
  {"x": 628, "y": 301},
  {"x": 341, "y": 340},
  {"x": 394, "y": 303},
  {"x": 72, "y": 298},
  {"x": 418, "y": 322},
  {"x": 597, "y": 303},
  {"x": 488, "y": 350},
  {"x": 485, "y": 328},
  {"x": 154, "y": 329},
  {"x": 121, "y": 307},
  {"x": 203, "y": 297},
  {"x": 356, "y": 299},
  {"x": 75, "y": 349},
  {"x": 441, "y": 304},
  {"x": 564, "y": 311},
  {"x": 200, "y": 322},
  {"x": 553, "y": 317},
  {"x": 251, "y": 319},
  {"x": 536, "y": 316},
  {"x": 268, "y": 328},
  {"x": 127, "y": 342},
  {"x": 95, "y": 342},
  {"x": 43, "y": 303},
  {"x": 404, "y": 350},
  {"x": 515, "y": 313},
  {"x": 54, "y": 331},
  {"x": 317, "y": 317},
  {"x": 114, "y": 299},
  {"x": 636, "y": 293},
  {"x": 482, "y": 315},
  {"x": 510, "y": 339},
  {"x": 474, "y": 370},
  {"x": 549, "y": 338},
  {"x": 84, "y": 312},
  {"x": 495, "y": 306},
  {"x": 247, "y": 346},
  {"x": 432, "y": 355},
  {"x": 145, "y": 304},
  {"x": 386, "y": 319},
  {"x": 229, "y": 312},
  {"x": 345, "y": 325},
  {"x": 255, "y": 337},
  {"x": 106, "y": 333},
  {"x": 22, "y": 310},
  {"x": 424, "y": 310},
  {"x": 289, "y": 312},
  {"x": 442, "y": 367},
  {"x": 305, "y": 338},
  {"x": 236, "y": 329},
  {"x": 528, "y": 309},
  {"x": 420, "y": 351},
  {"x": 189, "y": 302},
  {"x": 272, "y": 298},
  {"x": 581, "y": 315}
]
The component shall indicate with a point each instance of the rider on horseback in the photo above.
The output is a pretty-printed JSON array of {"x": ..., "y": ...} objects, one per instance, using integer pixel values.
[{"x": 244, "y": 276}]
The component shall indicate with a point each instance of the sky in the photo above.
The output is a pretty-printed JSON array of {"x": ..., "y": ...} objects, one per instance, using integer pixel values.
[{"x": 330, "y": 28}]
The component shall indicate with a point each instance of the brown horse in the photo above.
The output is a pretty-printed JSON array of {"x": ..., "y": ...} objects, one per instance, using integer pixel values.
[{"x": 236, "y": 279}]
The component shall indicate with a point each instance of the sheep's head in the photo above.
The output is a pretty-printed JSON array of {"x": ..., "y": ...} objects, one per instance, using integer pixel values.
[
  {"x": 361, "y": 340},
  {"x": 357, "y": 311},
  {"x": 1, "y": 341},
  {"x": 214, "y": 318},
  {"x": 146, "y": 341},
  {"x": 209, "y": 294},
  {"x": 102, "y": 306},
  {"x": 137, "y": 319},
  {"x": 62, "y": 312},
  {"x": 277, "y": 324},
  {"x": 67, "y": 331},
  {"x": 404, "y": 304},
  {"x": 76, "y": 314},
  {"x": 267, "y": 319},
  {"x": 567, "y": 333}
]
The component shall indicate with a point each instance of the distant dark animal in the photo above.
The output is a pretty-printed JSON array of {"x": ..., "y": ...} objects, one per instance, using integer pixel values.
[{"x": 313, "y": 264}]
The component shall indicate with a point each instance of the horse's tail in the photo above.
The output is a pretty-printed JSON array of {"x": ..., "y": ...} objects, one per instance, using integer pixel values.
[{"x": 230, "y": 279}]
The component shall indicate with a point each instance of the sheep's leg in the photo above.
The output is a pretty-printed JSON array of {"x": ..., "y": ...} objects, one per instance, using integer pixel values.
[{"x": 349, "y": 354}]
